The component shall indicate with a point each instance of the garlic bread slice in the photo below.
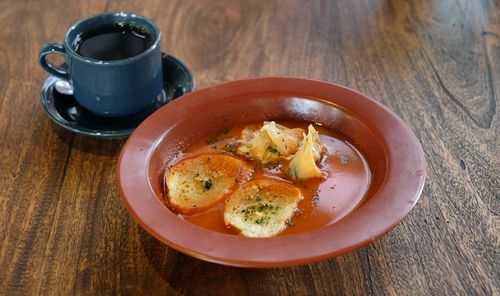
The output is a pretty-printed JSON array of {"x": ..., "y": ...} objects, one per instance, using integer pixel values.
[
  {"x": 197, "y": 183},
  {"x": 261, "y": 207}
]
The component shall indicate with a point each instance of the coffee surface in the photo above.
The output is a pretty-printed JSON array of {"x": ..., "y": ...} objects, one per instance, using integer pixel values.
[{"x": 113, "y": 42}]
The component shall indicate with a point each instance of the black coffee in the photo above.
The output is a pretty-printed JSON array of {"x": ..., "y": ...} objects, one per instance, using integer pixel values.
[{"x": 113, "y": 42}]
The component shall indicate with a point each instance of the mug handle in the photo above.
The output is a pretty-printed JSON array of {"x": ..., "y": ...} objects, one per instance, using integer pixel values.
[{"x": 53, "y": 48}]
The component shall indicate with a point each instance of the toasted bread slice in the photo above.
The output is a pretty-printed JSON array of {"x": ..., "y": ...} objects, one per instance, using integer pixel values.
[
  {"x": 197, "y": 183},
  {"x": 261, "y": 207}
]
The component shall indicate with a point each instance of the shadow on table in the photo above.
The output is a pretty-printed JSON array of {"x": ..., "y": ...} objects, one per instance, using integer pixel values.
[
  {"x": 192, "y": 276},
  {"x": 88, "y": 144}
]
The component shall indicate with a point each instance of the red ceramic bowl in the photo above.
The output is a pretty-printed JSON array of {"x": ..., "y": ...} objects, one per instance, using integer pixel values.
[{"x": 392, "y": 151}]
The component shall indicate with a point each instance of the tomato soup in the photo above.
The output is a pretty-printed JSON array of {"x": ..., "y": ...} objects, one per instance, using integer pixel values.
[{"x": 325, "y": 201}]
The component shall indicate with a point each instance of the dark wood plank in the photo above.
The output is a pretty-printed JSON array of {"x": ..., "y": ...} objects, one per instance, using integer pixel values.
[{"x": 436, "y": 64}]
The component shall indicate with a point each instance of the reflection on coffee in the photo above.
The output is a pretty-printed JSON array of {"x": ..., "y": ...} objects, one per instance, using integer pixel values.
[{"x": 113, "y": 42}]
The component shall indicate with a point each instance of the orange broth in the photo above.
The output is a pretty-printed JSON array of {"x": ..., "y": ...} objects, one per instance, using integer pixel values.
[{"x": 325, "y": 201}]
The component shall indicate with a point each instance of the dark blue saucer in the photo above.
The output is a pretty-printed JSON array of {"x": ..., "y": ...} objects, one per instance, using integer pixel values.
[{"x": 64, "y": 110}]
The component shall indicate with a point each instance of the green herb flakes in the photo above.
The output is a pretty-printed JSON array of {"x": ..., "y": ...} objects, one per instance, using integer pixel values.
[
  {"x": 208, "y": 184},
  {"x": 260, "y": 213},
  {"x": 273, "y": 149},
  {"x": 229, "y": 148}
]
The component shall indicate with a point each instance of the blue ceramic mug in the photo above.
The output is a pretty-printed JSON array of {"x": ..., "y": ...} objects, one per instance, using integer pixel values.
[{"x": 111, "y": 88}]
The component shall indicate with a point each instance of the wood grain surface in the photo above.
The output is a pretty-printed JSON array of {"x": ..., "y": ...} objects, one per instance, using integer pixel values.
[{"x": 64, "y": 231}]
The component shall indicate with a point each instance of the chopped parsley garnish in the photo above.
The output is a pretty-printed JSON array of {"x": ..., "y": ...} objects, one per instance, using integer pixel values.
[
  {"x": 212, "y": 140},
  {"x": 273, "y": 149},
  {"x": 229, "y": 148},
  {"x": 259, "y": 214},
  {"x": 292, "y": 172},
  {"x": 261, "y": 220},
  {"x": 208, "y": 184},
  {"x": 215, "y": 138},
  {"x": 265, "y": 207}
]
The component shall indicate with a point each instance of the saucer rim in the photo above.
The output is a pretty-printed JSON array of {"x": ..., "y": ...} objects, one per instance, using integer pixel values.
[{"x": 119, "y": 133}]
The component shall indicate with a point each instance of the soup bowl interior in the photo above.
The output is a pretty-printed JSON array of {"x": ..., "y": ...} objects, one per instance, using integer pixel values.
[{"x": 391, "y": 150}]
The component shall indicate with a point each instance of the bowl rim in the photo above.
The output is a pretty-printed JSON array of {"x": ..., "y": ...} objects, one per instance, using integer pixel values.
[{"x": 397, "y": 196}]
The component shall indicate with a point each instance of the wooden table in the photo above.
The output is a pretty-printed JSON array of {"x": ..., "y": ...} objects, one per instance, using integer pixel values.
[{"x": 63, "y": 229}]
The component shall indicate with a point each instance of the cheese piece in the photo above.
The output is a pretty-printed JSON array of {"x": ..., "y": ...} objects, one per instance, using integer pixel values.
[
  {"x": 303, "y": 164},
  {"x": 270, "y": 143}
]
